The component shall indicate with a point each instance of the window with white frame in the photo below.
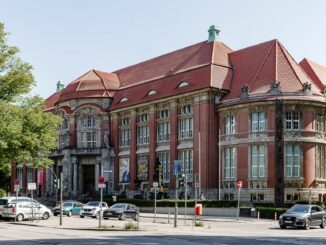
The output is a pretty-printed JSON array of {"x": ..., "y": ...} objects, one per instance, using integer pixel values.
[
  {"x": 164, "y": 158},
  {"x": 142, "y": 129},
  {"x": 320, "y": 162},
  {"x": 124, "y": 132},
  {"x": 185, "y": 156},
  {"x": 229, "y": 124},
  {"x": 163, "y": 125},
  {"x": 292, "y": 120},
  {"x": 258, "y": 161},
  {"x": 258, "y": 121},
  {"x": 19, "y": 175},
  {"x": 292, "y": 161},
  {"x": 88, "y": 131},
  {"x": 185, "y": 122},
  {"x": 229, "y": 162}
]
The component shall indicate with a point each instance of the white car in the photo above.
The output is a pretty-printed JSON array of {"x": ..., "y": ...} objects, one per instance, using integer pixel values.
[
  {"x": 7, "y": 200},
  {"x": 92, "y": 209},
  {"x": 26, "y": 210}
]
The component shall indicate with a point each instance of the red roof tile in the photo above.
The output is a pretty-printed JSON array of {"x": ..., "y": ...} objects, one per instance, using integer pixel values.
[
  {"x": 260, "y": 65},
  {"x": 316, "y": 72}
]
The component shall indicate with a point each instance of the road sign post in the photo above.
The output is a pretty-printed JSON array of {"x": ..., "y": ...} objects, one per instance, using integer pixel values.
[
  {"x": 239, "y": 186},
  {"x": 176, "y": 171},
  {"x": 101, "y": 185},
  {"x": 155, "y": 185}
]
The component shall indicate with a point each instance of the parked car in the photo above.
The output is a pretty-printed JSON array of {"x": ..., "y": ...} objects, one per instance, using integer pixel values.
[
  {"x": 69, "y": 208},
  {"x": 122, "y": 211},
  {"x": 92, "y": 209},
  {"x": 6, "y": 200},
  {"x": 26, "y": 210},
  {"x": 304, "y": 216}
]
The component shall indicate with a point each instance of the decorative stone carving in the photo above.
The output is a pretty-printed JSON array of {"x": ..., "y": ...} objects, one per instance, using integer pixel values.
[
  {"x": 306, "y": 88},
  {"x": 275, "y": 88},
  {"x": 244, "y": 91}
]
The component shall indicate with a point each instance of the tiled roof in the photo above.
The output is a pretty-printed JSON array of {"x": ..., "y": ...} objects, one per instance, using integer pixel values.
[
  {"x": 50, "y": 101},
  {"x": 197, "y": 55},
  {"x": 260, "y": 65},
  {"x": 92, "y": 84},
  {"x": 316, "y": 72}
]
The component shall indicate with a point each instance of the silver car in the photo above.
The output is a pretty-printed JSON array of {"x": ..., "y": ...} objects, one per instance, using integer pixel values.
[
  {"x": 304, "y": 216},
  {"x": 26, "y": 210}
]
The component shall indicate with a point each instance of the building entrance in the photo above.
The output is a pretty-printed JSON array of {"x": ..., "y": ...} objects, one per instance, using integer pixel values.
[{"x": 89, "y": 178}]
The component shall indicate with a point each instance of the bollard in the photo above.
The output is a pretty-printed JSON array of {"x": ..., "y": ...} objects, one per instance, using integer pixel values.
[
  {"x": 169, "y": 218},
  {"x": 275, "y": 216},
  {"x": 258, "y": 215}
]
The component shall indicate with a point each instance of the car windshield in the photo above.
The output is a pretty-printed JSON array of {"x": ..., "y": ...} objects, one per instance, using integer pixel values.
[
  {"x": 299, "y": 209},
  {"x": 3, "y": 202},
  {"x": 93, "y": 204},
  {"x": 119, "y": 205},
  {"x": 68, "y": 204}
]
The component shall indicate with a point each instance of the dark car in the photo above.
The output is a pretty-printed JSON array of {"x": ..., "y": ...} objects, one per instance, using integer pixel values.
[
  {"x": 304, "y": 216},
  {"x": 69, "y": 208},
  {"x": 122, "y": 211}
]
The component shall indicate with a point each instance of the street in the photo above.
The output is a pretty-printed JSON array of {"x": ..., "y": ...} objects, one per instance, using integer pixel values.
[{"x": 215, "y": 231}]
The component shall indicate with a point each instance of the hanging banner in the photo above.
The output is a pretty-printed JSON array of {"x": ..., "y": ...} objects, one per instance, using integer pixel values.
[
  {"x": 124, "y": 170},
  {"x": 142, "y": 169}
]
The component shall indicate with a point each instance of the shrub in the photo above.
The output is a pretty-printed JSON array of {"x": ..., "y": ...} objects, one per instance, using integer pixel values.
[
  {"x": 130, "y": 226},
  {"x": 199, "y": 224}
]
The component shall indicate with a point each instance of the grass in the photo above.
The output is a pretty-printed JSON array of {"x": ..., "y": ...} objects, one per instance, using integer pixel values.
[{"x": 199, "y": 224}]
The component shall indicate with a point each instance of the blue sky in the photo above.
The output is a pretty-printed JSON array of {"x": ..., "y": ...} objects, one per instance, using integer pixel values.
[{"x": 65, "y": 39}]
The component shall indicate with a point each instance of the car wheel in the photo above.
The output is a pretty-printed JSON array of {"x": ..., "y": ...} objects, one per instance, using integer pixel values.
[
  {"x": 307, "y": 224},
  {"x": 55, "y": 214},
  {"x": 122, "y": 216},
  {"x": 69, "y": 214},
  {"x": 20, "y": 217},
  {"x": 46, "y": 216},
  {"x": 106, "y": 218},
  {"x": 283, "y": 226},
  {"x": 81, "y": 216},
  {"x": 323, "y": 224}
]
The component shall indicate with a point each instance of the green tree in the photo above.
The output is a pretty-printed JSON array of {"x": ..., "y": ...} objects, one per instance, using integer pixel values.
[{"x": 27, "y": 134}]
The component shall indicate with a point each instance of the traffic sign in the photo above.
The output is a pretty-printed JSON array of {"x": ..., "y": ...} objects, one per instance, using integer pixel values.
[
  {"x": 31, "y": 186},
  {"x": 99, "y": 185},
  {"x": 155, "y": 184},
  {"x": 239, "y": 184},
  {"x": 16, "y": 188},
  {"x": 101, "y": 180},
  {"x": 16, "y": 181}
]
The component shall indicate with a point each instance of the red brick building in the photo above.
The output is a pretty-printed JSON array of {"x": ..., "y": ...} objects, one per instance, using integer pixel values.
[{"x": 253, "y": 114}]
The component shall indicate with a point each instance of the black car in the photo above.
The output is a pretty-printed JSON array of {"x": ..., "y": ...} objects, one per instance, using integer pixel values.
[
  {"x": 122, "y": 211},
  {"x": 304, "y": 216}
]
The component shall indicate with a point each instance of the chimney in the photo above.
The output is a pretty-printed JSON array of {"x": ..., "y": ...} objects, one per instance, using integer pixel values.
[
  {"x": 60, "y": 86},
  {"x": 213, "y": 34}
]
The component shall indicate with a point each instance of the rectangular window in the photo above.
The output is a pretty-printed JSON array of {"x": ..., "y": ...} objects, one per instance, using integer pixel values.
[
  {"x": 229, "y": 125},
  {"x": 142, "y": 135},
  {"x": 258, "y": 166},
  {"x": 258, "y": 121},
  {"x": 164, "y": 158},
  {"x": 229, "y": 162},
  {"x": 320, "y": 123},
  {"x": 124, "y": 137},
  {"x": 163, "y": 131},
  {"x": 292, "y": 120},
  {"x": 320, "y": 162},
  {"x": 292, "y": 161},
  {"x": 187, "y": 164},
  {"x": 20, "y": 176},
  {"x": 89, "y": 139},
  {"x": 29, "y": 175},
  {"x": 185, "y": 128}
]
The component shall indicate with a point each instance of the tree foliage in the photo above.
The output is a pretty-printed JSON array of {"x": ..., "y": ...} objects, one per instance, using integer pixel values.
[{"x": 27, "y": 134}]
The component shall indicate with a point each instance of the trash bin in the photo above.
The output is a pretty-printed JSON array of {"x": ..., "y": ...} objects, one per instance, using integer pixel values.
[
  {"x": 198, "y": 209},
  {"x": 253, "y": 212}
]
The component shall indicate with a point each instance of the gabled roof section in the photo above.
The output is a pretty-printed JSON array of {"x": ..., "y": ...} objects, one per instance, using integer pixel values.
[
  {"x": 316, "y": 72},
  {"x": 188, "y": 58},
  {"x": 92, "y": 84},
  {"x": 259, "y": 66}
]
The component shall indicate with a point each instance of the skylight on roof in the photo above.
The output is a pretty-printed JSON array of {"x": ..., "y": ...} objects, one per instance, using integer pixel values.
[
  {"x": 151, "y": 92},
  {"x": 124, "y": 99},
  {"x": 183, "y": 84}
]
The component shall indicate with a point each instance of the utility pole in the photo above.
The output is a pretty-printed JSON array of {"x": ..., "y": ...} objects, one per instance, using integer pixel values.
[
  {"x": 155, "y": 184},
  {"x": 61, "y": 196},
  {"x": 186, "y": 198}
]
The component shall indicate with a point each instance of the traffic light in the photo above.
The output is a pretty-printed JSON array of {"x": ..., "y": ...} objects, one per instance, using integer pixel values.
[
  {"x": 181, "y": 180},
  {"x": 56, "y": 183}
]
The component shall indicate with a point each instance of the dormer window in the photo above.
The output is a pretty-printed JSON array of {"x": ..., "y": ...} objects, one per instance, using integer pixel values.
[
  {"x": 152, "y": 92},
  {"x": 124, "y": 99},
  {"x": 183, "y": 84}
]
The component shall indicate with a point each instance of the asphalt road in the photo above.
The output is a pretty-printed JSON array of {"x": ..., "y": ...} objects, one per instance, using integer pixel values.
[{"x": 216, "y": 231}]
